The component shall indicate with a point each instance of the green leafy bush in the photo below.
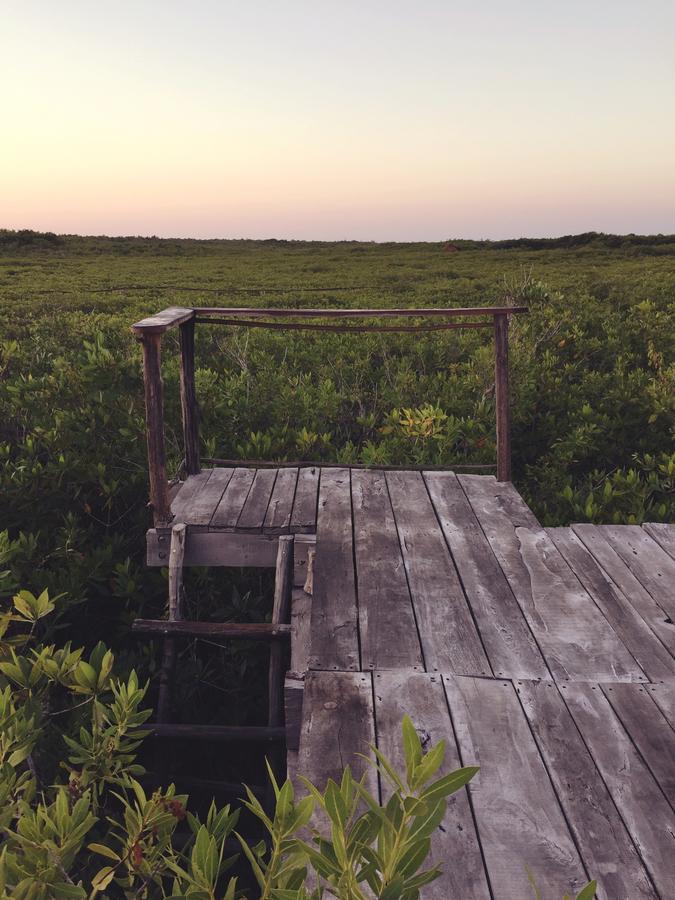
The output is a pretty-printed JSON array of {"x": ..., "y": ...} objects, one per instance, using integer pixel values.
[{"x": 76, "y": 821}]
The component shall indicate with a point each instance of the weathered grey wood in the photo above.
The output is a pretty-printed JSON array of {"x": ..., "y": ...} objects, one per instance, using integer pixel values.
[
  {"x": 616, "y": 569},
  {"x": 576, "y": 639},
  {"x": 281, "y": 613},
  {"x": 303, "y": 546},
  {"x": 334, "y": 638},
  {"x": 450, "y": 640},
  {"x": 176, "y": 558},
  {"x": 294, "y": 689},
  {"x": 651, "y": 655},
  {"x": 278, "y": 517},
  {"x": 649, "y": 730},
  {"x": 502, "y": 403},
  {"x": 649, "y": 562},
  {"x": 162, "y": 321},
  {"x": 188, "y": 397},
  {"x": 249, "y": 631},
  {"x": 605, "y": 845},
  {"x": 303, "y": 517},
  {"x": 278, "y": 312},
  {"x": 519, "y": 820},
  {"x": 664, "y": 535},
  {"x": 510, "y": 645},
  {"x": 454, "y": 847},
  {"x": 154, "y": 421},
  {"x": 200, "y": 509},
  {"x": 254, "y": 510},
  {"x": 216, "y": 549},
  {"x": 338, "y": 725},
  {"x": 645, "y": 811},
  {"x": 664, "y": 697},
  {"x": 221, "y": 733},
  {"x": 387, "y": 625},
  {"x": 188, "y": 492},
  {"x": 301, "y": 613},
  {"x": 232, "y": 502}
]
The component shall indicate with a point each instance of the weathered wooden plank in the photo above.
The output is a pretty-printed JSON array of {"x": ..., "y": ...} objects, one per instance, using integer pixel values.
[
  {"x": 249, "y": 631},
  {"x": 162, "y": 321},
  {"x": 189, "y": 490},
  {"x": 616, "y": 569},
  {"x": 664, "y": 697},
  {"x": 577, "y": 641},
  {"x": 651, "y": 655},
  {"x": 154, "y": 426},
  {"x": 201, "y": 507},
  {"x": 278, "y": 517},
  {"x": 510, "y": 645},
  {"x": 502, "y": 404},
  {"x": 176, "y": 560},
  {"x": 188, "y": 397},
  {"x": 334, "y": 637},
  {"x": 232, "y": 502},
  {"x": 304, "y": 549},
  {"x": 281, "y": 613},
  {"x": 387, "y": 626},
  {"x": 338, "y": 725},
  {"x": 303, "y": 517},
  {"x": 278, "y": 312},
  {"x": 254, "y": 510},
  {"x": 215, "y": 549},
  {"x": 649, "y": 730},
  {"x": 450, "y": 640},
  {"x": 664, "y": 535},
  {"x": 649, "y": 562},
  {"x": 455, "y": 845},
  {"x": 648, "y": 817},
  {"x": 605, "y": 845},
  {"x": 519, "y": 820}
]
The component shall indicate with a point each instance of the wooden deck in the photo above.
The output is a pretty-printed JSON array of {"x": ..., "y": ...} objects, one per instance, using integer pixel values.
[{"x": 546, "y": 656}]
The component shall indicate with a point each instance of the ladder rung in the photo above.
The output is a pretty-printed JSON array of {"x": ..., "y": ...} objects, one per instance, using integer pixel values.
[
  {"x": 226, "y": 733},
  {"x": 253, "y": 631}
]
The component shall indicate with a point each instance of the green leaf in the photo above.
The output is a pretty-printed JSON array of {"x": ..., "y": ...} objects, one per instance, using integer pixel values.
[
  {"x": 449, "y": 784},
  {"x": 104, "y": 851},
  {"x": 412, "y": 747},
  {"x": 588, "y": 892},
  {"x": 103, "y": 878}
]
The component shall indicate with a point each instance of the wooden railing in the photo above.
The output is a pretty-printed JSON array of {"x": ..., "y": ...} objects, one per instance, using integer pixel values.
[{"x": 149, "y": 331}]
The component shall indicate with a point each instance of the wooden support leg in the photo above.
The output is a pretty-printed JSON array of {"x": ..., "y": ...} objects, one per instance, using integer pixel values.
[
  {"x": 281, "y": 611},
  {"x": 503, "y": 409},
  {"x": 176, "y": 557}
]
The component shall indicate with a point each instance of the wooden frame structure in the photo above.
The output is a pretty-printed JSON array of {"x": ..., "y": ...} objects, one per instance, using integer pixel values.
[{"x": 149, "y": 332}]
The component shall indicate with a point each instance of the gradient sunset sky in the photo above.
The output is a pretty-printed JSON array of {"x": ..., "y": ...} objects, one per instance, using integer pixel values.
[{"x": 317, "y": 120}]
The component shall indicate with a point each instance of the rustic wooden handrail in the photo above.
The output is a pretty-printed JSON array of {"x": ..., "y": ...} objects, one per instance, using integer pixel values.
[{"x": 149, "y": 332}]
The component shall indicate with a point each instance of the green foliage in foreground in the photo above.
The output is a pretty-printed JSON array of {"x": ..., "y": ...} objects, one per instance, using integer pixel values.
[{"x": 76, "y": 822}]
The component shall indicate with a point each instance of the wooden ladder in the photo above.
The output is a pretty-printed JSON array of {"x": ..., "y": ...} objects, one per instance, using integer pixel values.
[{"x": 176, "y": 627}]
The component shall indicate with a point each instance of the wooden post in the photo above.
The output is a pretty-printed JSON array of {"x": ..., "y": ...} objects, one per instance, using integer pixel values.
[
  {"x": 188, "y": 397},
  {"x": 176, "y": 558},
  {"x": 154, "y": 417},
  {"x": 502, "y": 407}
]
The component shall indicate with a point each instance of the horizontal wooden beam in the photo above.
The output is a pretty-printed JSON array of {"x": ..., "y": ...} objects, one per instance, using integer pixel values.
[
  {"x": 219, "y": 733},
  {"x": 251, "y": 631},
  {"x": 215, "y": 548},
  {"x": 327, "y": 313},
  {"x": 410, "y": 467},
  {"x": 162, "y": 321},
  {"x": 340, "y": 329}
]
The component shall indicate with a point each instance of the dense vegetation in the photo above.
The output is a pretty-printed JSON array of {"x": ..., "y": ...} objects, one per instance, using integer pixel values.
[{"x": 593, "y": 387}]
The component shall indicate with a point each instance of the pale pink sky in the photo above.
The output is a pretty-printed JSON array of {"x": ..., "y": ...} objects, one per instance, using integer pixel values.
[{"x": 369, "y": 120}]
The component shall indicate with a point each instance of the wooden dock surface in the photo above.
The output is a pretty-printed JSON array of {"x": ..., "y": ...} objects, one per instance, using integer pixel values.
[{"x": 546, "y": 656}]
